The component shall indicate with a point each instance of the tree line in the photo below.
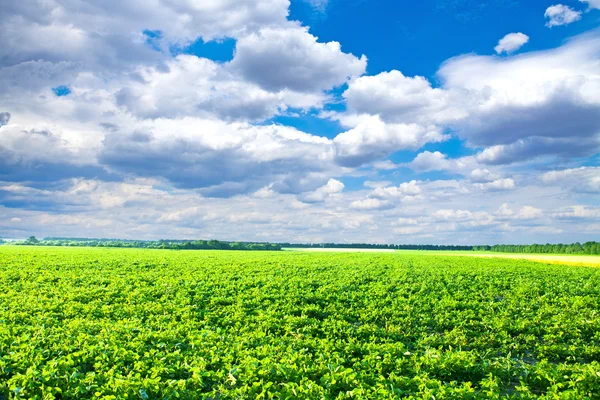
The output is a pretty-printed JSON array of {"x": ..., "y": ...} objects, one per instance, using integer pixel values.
[
  {"x": 573, "y": 248},
  {"x": 376, "y": 246},
  {"x": 149, "y": 244}
]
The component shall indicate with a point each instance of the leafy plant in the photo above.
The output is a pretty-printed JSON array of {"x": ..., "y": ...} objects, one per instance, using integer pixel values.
[{"x": 101, "y": 323}]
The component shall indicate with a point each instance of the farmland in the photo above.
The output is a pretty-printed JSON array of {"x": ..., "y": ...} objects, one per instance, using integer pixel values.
[{"x": 102, "y": 323}]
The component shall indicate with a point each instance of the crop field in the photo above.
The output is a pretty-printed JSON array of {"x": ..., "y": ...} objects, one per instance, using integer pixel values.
[
  {"x": 587, "y": 260},
  {"x": 83, "y": 323},
  {"x": 563, "y": 259}
]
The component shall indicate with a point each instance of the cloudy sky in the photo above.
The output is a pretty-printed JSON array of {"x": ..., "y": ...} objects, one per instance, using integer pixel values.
[{"x": 385, "y": 121}]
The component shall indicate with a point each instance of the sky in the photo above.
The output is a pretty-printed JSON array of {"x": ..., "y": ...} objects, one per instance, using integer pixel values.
[{"x": 379, "y": 121}]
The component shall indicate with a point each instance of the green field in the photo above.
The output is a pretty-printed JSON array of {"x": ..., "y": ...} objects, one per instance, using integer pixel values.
[{"x": 78, "y": 323}]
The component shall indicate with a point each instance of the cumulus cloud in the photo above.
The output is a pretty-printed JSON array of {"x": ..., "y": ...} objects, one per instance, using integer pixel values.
[
  {"x": 111, "y": 32},
  {"x": 428, "y": 161},
  {"x": 436, "y": 161},
  {"x": 149, "y": 208},
  {"x": 533, "y": 104},
  {"x": 483, "y": 175},
  {"x": 189, "y": 153},
  {"x": 511, "y": 43},
  {"x": 291, "y": 58},
  {"x": 548, "y": 94},
  {"x": 370, "y": 204},
  {"x": 321, "y": 194},
  {"x": 534, "y": 147},
  {"x": 528, "y": 212},
  {"x": 373, "y": 139},
  {"x": 577, "y": 212},
  {"x": 398, "y": 98},
  {"x": 188, "y": 85},
  {"x": 405, "y": 189},
  {"x": 498, "y": 184},
  {"x": 592, "y": 4},
  {"x": 465, "y": 216},
  {"x": 560, "y": 14},
  {"x": 582, "y": 179},
  {"x": 408, "y": 230},
  {"x": 38, "y": 146},
  {"x": 504, "y": 211},
  {"x": 151, "y": 143},
  {"x": 467, "y": 166},
  {"x": 386, "y": 165}
]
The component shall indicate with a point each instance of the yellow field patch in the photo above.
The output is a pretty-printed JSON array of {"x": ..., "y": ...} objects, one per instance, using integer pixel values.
[{"x": 593, "y": 261}]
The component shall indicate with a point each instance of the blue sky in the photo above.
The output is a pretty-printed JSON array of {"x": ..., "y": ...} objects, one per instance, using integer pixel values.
[
  {"x": 417, "y": 37},
  {"x": 441, "y": 121}
]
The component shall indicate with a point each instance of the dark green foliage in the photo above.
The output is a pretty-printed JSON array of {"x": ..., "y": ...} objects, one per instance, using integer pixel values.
[
  {"x": 140, "y": 324},
  {"x": 146, "y": 244},
  {"x": 377, "y": 246},
  {"x": 575, "y": 248},
  {"x": 32, "y": 240}
]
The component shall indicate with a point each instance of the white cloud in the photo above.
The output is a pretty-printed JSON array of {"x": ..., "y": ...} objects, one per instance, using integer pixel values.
[
  {"x": 110, "y": 32},
  {"x": 152, "y": 145},
  {"x": 498, "y": 184},
  {"x": 373, "y": 139},
  {"x": 291, "y": 58},
  {"x": 528, "y": 212},
  {"x": 409, "y": 230},
  {"x": 483, "y": 175},
  {"x": 547, "y": 95},
  {"x": 467, "y": 166},
  {"x": 592, "y": 3},
  {"x": 431, "y": 161},
  {"x": 189, "y": 151},
  {"x": 531, "y": 148},
  {"x": 377, "y": 184},
  {"x": 457, "y": 218},
  {"x": 511, "y": 43},
  {"x": 504, "y": 211},
  {"x": 386, "y": 165},
  {"x": 405, "y": 189},
  {"x": 560, "y": 14},
  {"x": 321, "y": 194},
  {"x": 188, "y": 85},
  {"x": 582, "y": 179},
  {"x": 398, "y": 98},
  {"x": 578, "y": 212},
  {"x": 525, "y": 213},
  {"x": 147, "y": 208},
  {"x": 369, "y": 204},
  {"x": 547, "y": 230},
  {"x": 535, "y": 104}
]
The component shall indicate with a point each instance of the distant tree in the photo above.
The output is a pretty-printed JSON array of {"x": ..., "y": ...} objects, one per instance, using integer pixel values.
[{"x": 32, "y": 240}]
